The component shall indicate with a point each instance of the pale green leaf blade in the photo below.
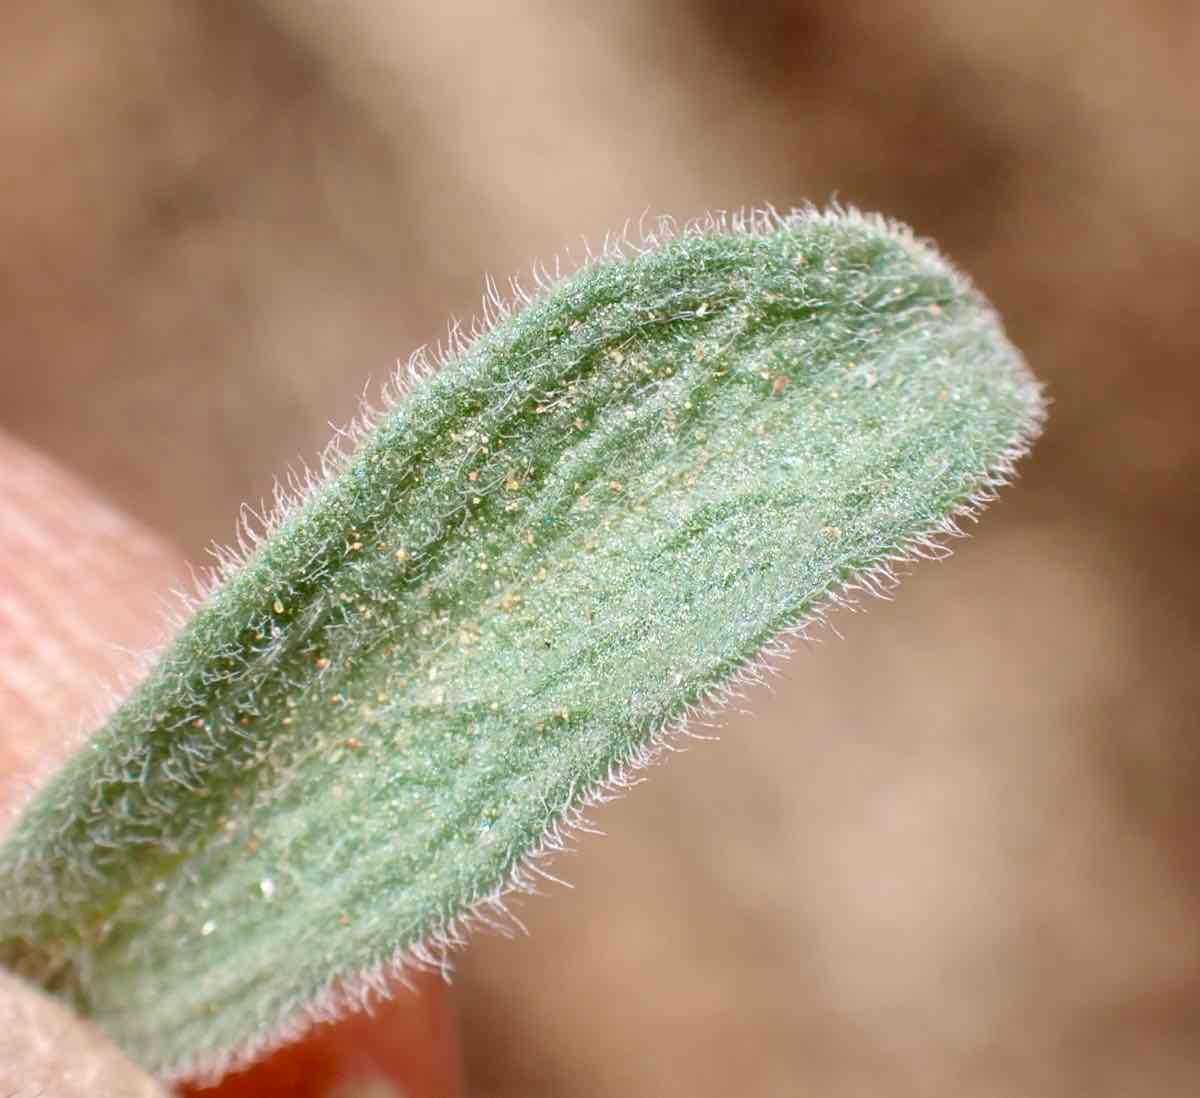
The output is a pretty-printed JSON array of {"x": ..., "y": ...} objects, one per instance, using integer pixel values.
[{"x": 585, "y": 524}]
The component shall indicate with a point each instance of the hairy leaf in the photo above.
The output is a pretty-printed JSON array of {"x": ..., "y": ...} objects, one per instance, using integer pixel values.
[{"x": 531, "y": 569}]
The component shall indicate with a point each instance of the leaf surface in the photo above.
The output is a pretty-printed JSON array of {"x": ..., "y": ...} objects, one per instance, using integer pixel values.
[{"x": 533, "y": 566}]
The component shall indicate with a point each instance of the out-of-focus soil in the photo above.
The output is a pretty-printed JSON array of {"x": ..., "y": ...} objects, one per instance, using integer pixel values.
[{"x": 957, "y": 853}]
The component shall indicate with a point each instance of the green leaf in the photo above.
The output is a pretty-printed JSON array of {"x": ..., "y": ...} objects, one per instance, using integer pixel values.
[{"x": 533, "y": 568}]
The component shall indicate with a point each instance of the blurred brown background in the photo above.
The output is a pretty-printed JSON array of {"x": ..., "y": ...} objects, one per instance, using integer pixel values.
[{"x": 957, "y": 853}]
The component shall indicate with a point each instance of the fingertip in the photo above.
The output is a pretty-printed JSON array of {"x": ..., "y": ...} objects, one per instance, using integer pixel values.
[{"x": 80, "y": 589}]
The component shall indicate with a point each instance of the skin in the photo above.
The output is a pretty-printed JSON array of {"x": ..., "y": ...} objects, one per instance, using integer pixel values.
[{"x": 81, "y": 586}]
